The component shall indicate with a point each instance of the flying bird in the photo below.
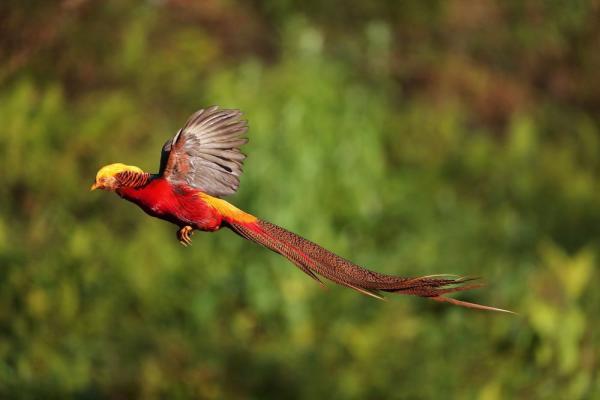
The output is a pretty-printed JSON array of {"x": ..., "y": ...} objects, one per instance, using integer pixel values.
[{"x": 203, "y": 163}]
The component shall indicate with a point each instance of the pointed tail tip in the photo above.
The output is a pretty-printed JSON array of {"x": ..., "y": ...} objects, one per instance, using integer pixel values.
[
  {"x": 460, "y": 281},
  {"x": 466, "y": 304}
]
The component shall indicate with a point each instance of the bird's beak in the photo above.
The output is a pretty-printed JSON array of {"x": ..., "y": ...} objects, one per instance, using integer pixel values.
[{"x": 94, "y": 186}]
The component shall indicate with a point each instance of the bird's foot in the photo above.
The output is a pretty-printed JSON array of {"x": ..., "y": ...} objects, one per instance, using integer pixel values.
[{"x": 184, "y": 235}]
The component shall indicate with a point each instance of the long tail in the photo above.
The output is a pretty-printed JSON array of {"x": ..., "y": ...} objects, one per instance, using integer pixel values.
[{"x": 314, "y": 260}]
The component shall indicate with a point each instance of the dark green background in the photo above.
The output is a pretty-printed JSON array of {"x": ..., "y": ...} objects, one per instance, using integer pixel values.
[{"x": 412, "y": 137}]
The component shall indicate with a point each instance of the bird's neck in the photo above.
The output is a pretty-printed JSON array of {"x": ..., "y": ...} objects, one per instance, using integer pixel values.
[
  {"x": 139, "y": 191},
  {"x": 133, "y": 179},
  {"x": 131, "y": 183}
]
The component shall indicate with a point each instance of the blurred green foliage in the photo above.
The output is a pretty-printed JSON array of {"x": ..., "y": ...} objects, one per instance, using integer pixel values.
[{"x": 414, "y": 138}]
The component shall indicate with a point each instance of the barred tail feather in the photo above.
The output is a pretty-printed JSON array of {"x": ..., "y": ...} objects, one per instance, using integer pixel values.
[{"x": 316, "y": 261}]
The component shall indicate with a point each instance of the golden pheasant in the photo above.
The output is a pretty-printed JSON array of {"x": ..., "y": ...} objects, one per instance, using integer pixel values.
[{"x": 202, "y": 163}]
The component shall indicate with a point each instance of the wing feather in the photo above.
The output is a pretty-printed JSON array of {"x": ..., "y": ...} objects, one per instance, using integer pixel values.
[{"x": 205, "y": 153}]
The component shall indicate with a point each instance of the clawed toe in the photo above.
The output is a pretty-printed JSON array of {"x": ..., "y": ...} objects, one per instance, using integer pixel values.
[{"x": 184, "y": 235}]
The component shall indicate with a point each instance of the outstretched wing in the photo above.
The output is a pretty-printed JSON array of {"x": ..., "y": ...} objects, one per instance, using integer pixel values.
[{"x": 205, "y": 153}]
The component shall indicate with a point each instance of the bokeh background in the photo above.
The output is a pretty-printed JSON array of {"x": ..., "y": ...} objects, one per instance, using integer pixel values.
[{"x": 411, "y": 137}]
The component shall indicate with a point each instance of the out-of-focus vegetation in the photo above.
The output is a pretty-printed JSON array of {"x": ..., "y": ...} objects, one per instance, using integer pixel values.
[{"x": 411, "y": 137}]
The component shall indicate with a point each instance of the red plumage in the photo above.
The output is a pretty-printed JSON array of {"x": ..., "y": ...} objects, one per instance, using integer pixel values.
[{"x": 179, "y": 204}]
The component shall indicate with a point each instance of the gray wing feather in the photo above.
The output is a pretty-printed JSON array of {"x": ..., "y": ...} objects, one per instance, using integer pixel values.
[{"x": 205, "y": 153}]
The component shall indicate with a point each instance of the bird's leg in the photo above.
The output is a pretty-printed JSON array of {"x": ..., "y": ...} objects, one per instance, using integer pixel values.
[{"x": 184, "y": 235}]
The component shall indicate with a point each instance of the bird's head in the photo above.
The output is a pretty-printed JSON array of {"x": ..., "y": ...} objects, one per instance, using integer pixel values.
[{"x": 107, "y": 177}]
